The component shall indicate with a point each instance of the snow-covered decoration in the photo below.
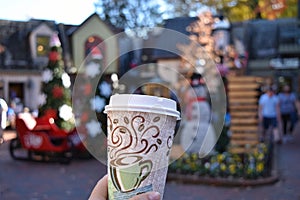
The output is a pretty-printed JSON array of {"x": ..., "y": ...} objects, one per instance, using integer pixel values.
[
  {"x": 47, "y": 75},
  {"x": 105, "y": 89},
  {"x": 91, "y": 95},
  {"x": 65, "y": 112},
  {"x": 92, "y": 69},
  {"x": 97, "y": 103},
  {"x": 66, "y": 80},
  {"x": 93, "y": 127},
  {"x": 198, "y": 135}
]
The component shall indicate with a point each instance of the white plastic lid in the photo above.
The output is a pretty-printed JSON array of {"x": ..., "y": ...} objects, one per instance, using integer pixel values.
[{"x": 142, "y": 103}]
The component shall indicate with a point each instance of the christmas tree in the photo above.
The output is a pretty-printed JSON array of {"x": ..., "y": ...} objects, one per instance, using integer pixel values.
[{"x": 56, "y": 88}]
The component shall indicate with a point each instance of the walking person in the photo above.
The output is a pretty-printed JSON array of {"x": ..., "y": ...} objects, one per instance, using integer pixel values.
[
  {"x": 288, "y": 110},
  {"x": 269, "y": 114}
]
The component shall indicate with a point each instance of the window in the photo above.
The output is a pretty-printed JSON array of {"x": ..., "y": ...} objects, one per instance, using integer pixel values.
[{"x": 42, "y": 45}]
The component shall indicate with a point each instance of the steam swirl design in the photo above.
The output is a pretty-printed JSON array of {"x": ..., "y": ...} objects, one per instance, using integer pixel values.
[{"x": 132, "y": 137}]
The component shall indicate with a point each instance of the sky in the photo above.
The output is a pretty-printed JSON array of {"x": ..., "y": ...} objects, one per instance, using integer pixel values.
[{"x": 61, "y": 11}]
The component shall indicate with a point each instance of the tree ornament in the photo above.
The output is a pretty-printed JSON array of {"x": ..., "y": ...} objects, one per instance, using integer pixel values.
[
  {"x": 54, "y": 56},
  {"x": 57, "y": 92},
  {"x": 66, "y": 80},
  {"x": 65, "y": 112}
]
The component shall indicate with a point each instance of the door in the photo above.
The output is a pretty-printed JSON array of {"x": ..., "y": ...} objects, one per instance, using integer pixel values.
[{"x": 16, "y": 95}]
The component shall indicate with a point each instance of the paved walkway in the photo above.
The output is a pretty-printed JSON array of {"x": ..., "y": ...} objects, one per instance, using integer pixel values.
[
  {"x": 287, "y": 188},
  {"x": 53, "y": 181}
]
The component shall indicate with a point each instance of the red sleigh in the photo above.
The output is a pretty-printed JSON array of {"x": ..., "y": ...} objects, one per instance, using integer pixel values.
[{"x": 40, "y": 139}]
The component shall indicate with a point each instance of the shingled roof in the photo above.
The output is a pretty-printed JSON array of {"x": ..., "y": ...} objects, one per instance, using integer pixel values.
[
  {"x": 106, "y": 22},
  {"x": 14, "y": 38}
]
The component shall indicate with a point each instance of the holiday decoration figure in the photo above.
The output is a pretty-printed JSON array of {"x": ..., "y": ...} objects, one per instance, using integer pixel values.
[
  {"x": 91, "y": 92},
  {"x": 206, "y": 61},
  {"x": 198, "y": 135}
]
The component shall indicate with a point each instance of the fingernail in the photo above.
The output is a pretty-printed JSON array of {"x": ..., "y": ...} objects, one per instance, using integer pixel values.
[{"x": 154, "y": 196}]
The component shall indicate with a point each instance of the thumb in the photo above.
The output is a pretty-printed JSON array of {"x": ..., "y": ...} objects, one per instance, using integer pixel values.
[{"x": 147, "y": 196}]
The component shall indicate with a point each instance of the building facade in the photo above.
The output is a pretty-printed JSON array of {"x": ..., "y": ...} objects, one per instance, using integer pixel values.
[
  {"x": 271, "y": 48},
  {"x": 24, "y": 48},
  {"x": 24, "y": 52}
]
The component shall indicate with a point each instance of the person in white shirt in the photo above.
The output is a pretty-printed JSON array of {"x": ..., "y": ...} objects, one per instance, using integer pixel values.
[
  {"x": 269, "y": 113},
  {"x": 3, "y": 111}
]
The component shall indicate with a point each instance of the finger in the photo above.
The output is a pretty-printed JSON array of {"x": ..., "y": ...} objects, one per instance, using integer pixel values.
[
  {"x": 147, "y": 196},
  {"x": 100, "y": 190}
]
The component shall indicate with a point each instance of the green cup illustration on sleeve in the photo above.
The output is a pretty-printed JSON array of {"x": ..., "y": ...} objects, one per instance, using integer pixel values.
[
  {"x": 129, "y": 177},
  {"x": 140, "y": 133}
]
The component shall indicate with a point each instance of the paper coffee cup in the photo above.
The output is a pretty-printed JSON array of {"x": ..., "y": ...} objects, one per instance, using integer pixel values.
[{"x": 140, "y": 130}]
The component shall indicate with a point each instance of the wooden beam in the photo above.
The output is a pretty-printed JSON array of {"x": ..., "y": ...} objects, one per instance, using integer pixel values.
[
  {"x": 244, "y": 142},
  {"x": 247, "y": 114},
  {"x": 241, "y": 128},
  {"x": 244, "y": 136},
  {"x": 243, "y": 86},
  {"x": 243, "y": 79},
  {"x": 244, "y": 121},
  {"x": 243, "y": 107},
  {"x": 243, "y": 101},
  {"x": 240, "y": 150},
  {"x": 243, "y": 94}
]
